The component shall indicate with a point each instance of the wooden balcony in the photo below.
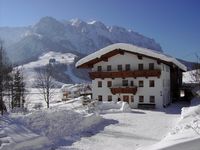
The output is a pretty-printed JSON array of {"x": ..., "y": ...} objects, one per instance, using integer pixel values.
[
  {"x": 128, "y": 90},
  {"x": 125, "y": 74}
]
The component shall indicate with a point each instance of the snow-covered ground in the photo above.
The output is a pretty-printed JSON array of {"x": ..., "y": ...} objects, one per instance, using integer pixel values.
[
  {"x": 129, "y": 131},
  {"x": 46, "y": 128},
  {"x": 17, "y": 137},
  {"x": 186, "y": 133},
  {"x": 69, "y": 125}
]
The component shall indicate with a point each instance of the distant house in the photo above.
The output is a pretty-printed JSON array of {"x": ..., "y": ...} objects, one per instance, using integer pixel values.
[
  {"x": 139, "y": 76},
  {"x": 72, "y": 91}
]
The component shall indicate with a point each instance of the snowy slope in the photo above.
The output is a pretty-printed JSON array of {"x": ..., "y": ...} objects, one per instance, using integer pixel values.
[
  {"x": 186, "y": 134},
  {"x": 17, "y": 137},
  {"x": 44, "y": 129},
  {"x": 61, "y": 58}
]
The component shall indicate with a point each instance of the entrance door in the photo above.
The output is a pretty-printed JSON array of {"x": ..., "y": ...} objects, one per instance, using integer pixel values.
[{"x": 126, "y": 98}]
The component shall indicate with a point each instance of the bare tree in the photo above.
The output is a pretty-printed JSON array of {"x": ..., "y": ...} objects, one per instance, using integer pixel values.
[{"x": 45, "y": 83}]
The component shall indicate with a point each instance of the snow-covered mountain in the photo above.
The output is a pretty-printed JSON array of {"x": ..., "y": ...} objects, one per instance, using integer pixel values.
[{"x": 76, "y": 36}]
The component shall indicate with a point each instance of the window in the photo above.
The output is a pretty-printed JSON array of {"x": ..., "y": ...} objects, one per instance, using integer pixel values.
[
  {"x": 141, "y": 84},
  {"x": 109, "y": 68},
  {"x": 125, "y": 82},
  {"x": 128, "y": 67},
  {"x": 132, "y": 83},
  {"x": 141, "y": 99},
  {"x": 151, "y": 83},
  {"x": 152, "y": 99},
  {"x": 100, "y": 97},
  {"x": 109, "y": 98},
  {"x": 132, "y": 99},
  {"x": 140, "y": 66},
  {"x": 119, "y": 67},
  {"x": 99, "y": 84},
  {"x": 109, "y": 83},
  {"x": 151, "y": 66},
  {"x": 99, "y": 68}
]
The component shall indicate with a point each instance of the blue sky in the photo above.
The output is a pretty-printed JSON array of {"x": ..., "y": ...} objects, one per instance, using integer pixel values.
[{"x": 175, "y": 24}]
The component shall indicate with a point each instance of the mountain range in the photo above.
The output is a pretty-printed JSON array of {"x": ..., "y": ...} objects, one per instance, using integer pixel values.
[{"x": 24, "y": 44}]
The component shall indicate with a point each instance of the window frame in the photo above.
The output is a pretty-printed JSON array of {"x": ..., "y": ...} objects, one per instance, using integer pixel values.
[
  {"x": 109, "y": 83},
  {"x": 127, "y": 67},
  {"x": 99, "y": 68},
  {"x": 151, "y": 66},
  {"x": 141, "y": 100},
  {"x": 140, "y": 81},
  {"x": 151, "y": 83},
  {"x": 125, "y": 83},
  {"x": 99, "y": 84},
  {"x": 141, "y": 66},
  {"x": 152, "y": 99},
  {"x": 110, "y": 68},
  {"x": 131, "y": 83},
  {"x": 100, "y": 99},
  {"x": 119, "y": 68},
  {"x": 109, "y": 98}
]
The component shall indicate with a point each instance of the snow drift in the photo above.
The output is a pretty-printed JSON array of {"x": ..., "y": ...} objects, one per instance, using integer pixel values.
[
  {"x": 185, "y": 135},
  {"x": 57, "y": 124},
  {"x": 112, "y": 107}
]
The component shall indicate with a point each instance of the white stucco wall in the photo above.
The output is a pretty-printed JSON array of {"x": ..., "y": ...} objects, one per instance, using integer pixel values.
[
  {"x": 165, "y": 76},
  {"x": 159, "y": 91}
]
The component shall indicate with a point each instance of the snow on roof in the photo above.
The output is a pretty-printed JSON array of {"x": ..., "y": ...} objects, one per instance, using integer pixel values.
[{"x": 132, "y": 48}]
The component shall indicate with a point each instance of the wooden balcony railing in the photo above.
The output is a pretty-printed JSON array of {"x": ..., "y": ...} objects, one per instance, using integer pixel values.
[
  {"x": 125, "y": 74},
  {"x": 128, "y": 90}
]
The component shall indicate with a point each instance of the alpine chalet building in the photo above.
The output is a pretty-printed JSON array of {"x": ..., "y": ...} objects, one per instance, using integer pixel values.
[{"x": 142, "y": 77}]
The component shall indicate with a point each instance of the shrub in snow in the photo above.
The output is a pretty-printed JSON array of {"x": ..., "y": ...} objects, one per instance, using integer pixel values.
[
  {"x": 19, "y": 110},
  {"x": 38, "y": 106}
]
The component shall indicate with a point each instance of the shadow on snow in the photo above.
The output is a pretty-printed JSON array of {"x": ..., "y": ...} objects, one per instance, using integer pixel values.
[{"x": 95, "y": 129}]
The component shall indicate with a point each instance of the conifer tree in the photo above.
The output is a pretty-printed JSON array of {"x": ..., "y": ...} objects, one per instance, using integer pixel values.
[
  {"x": 5, "y": 69},
  {"x": 18, "y": 89}
]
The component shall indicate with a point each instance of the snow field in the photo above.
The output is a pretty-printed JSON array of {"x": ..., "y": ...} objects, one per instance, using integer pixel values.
[
  {"x": 30, "y": 74},
  {"x": 128, "y": 130},
  {"x": 57, "y": 123},
  {"x": 46, "y": 129},
  {"x": 186, "y": 133}
]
